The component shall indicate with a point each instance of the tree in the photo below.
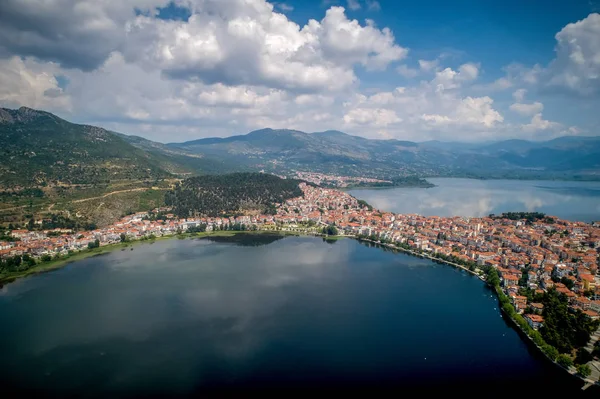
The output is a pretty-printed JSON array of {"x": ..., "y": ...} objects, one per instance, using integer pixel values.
[
  {"x": 492, "y": 278},
  {"x": 551, "y": 351},
  {"x": 123, "y": 237},
  {"x": 567, "y": 282},
  {"x": 364, "y": 204},
  {"x": 596, "y": 351},
  {"x": 564, "y": 329},
  {"x": 564, "y": 360},
  {"x": 222, "y": 195},
  {"x": 330, "y": 230},
  {"x": 584, "y": 370},
  {"x": 28, "y": 260}
]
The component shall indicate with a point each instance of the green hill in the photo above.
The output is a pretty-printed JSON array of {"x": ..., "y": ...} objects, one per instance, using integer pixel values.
[
  {"x": 179, "y": 161},
  {"x": 226, "y": 195},
  {"x": 49, "y": 166},
  {"x": 40, "y": 149}
]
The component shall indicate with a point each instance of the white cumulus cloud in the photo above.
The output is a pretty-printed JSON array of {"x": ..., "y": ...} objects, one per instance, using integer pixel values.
[
  {"x": 539, "y": 123},
  {"x": 450, "y": 79},
  {"x": 230, "y": 66},
  {"x": 27, "y": 82},
  {"x": 527, "y": 109},
  {"x": 371, "y": 116},
  {"x": 577, "y": 64}
]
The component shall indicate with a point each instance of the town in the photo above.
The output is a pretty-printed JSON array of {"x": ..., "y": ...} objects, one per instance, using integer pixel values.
[
  {"x": 534, "y": 254},
  {"x": 322, "y": 179},
  {"x": 516, "y": 249}
]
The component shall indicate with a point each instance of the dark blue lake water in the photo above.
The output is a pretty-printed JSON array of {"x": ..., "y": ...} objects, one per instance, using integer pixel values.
[{"x": 193, "y": 316}]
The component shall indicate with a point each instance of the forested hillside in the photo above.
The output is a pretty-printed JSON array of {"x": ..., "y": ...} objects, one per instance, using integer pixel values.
[
  {"x": 38, "y": 149},
  {"x": 230, "y": 194}
]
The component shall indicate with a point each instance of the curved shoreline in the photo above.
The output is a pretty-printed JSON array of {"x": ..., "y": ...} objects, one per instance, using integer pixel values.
[
  {"x": 86, "y": 253},
  {"x": 586, "y": 383},
  {"x": 52, "y": 265}
]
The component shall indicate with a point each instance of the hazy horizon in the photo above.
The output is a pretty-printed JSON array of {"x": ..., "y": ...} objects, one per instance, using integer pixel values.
[{"x": 174, "y": 71}]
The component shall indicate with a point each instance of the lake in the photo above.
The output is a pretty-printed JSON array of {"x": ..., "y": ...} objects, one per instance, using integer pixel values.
[
  {"x": 191, "y": 316},
  {"x": 476, "y": 198}
]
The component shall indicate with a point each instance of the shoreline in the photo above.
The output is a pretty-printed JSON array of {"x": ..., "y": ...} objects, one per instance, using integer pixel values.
[
  {"x": 586, "y": 383},
  {"x": 529, "y": 342},
  {"x": 87, "y": 253},
  {"x": 52, "y": 265},
  {"x": 424, "y": 256},
  {"x": 380, "y": 187},
  {"x": 538, "y": 178}
]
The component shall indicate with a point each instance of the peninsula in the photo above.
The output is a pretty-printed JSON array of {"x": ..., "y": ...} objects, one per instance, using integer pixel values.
[{"x": 543, "y": 269}]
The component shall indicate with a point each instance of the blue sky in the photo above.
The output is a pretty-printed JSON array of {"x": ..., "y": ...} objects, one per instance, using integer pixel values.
[
  {"x": 496, "y": 32},
  {"x": 416, "y": 70}
]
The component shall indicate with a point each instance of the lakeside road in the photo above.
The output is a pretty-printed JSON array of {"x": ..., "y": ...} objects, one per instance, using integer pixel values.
[{"x": 421, "y": 255}]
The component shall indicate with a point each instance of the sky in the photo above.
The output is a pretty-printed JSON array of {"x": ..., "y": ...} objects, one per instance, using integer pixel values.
[{"x": 463, "y": 70}]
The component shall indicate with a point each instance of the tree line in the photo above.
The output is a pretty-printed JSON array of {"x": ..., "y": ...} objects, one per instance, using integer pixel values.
[
  {"x": 58, "y": 221},
  {"x": 230, "y": 194},
  {"x": 529, "y": 217},
  {"x": 564, "y": 332}
]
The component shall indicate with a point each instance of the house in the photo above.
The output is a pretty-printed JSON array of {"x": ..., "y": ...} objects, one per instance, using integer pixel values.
[
  {"x": 510, "y": 280},
  {"x": 589, "y": 282},
  {"x": 520, "y": 305},
  {"x": 535, "y": 321},
  {"x": 538, "y": 308},
  {"x": 583, "y": 302},
  {"x": 19, "y": 233},
  {"x": 591, "y": 314},
  {"x": 547, "y": 283}
]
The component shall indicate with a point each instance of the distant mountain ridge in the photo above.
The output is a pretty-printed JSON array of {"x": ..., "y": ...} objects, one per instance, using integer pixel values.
[
  {"x": 39, "y": 148},
  {"x": 569, "y": 157}
]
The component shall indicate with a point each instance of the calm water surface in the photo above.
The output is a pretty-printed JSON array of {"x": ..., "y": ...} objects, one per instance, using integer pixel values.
[
  {"x": 190, "y": 316},
  {"x": 476, "y": 198}
]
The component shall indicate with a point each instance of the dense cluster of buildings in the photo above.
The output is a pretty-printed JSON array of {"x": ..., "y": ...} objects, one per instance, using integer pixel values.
[
  {"x": 322, "y": 179},
  {"x": 524, "y": 253}
]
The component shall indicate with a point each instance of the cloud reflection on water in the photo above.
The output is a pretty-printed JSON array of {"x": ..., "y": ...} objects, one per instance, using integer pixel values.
[
  {"x": 190, "y": 283},
  {"x": 477, "y": 198}
]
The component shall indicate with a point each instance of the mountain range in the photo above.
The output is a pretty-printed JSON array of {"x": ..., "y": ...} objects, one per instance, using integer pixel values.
[
  {"x": 333, "y": 151},
  {"x": 39, "y": 148}
]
